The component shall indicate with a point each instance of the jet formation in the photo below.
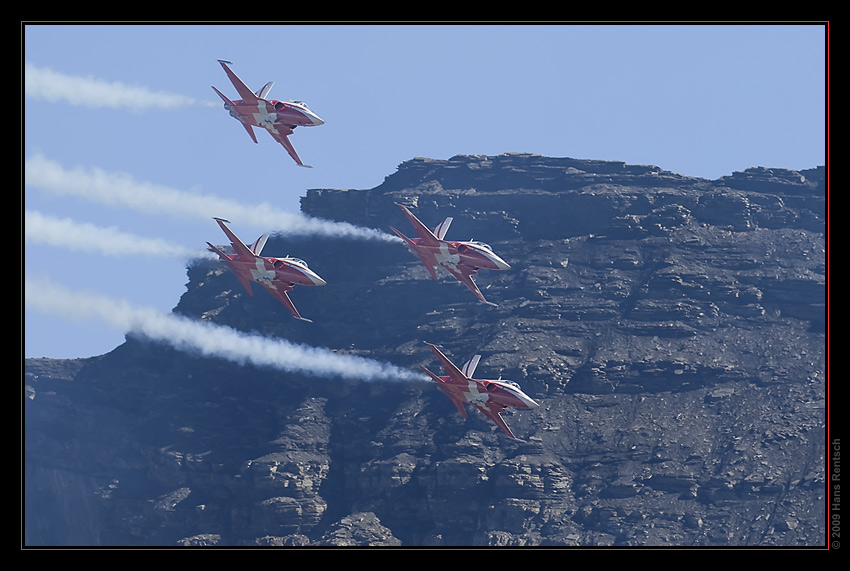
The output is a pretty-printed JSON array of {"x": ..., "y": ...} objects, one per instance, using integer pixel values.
[{"x": 279, "y": 275}]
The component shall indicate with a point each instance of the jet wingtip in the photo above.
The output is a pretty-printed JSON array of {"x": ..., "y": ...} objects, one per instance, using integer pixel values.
[{"x": 225, "y": 61}]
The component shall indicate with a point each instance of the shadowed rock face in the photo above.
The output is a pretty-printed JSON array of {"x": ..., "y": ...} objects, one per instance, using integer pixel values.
[{"x": 672, "y": 329}]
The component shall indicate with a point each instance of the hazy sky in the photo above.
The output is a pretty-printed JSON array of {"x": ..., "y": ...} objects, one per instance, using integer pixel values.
[{"x": 128, "y": 152}]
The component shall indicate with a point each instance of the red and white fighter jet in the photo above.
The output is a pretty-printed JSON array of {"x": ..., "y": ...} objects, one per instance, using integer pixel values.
[
  {"x": 279, "y": 118},
  {"x": 278, "y": 275},
  {"x": 490, "y": 397},
  {"x": 461, "y": 259}
]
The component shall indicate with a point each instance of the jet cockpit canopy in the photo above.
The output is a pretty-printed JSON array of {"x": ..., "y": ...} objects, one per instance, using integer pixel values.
[
  {"x": 481, "y": 245},
  {"x": 297, "y": 260}
]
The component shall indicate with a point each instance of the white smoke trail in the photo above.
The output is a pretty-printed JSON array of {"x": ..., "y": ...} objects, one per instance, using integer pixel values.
[
  {"x": 209, "y": 339},
  {"x": 44, "y": 83},
  {"x": 85, "y": 237},
  {"x": 120, "y": 189}
]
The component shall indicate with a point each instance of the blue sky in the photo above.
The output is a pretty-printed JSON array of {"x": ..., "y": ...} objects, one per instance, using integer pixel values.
[{"x": 704, "y": 101}]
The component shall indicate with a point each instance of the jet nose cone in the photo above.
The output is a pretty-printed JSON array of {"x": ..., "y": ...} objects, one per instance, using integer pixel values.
[
  {"x": 526, "y": 400},
  {"x": 314, "y": 277},
  {"x": 500, "y": 263},
  {"x": 314, "y": 119},
  {"x": 309, "y": 277}
]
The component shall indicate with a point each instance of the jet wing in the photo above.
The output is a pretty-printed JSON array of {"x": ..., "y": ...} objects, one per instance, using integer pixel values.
[
  {"x": 244, "y": 91},
  {"x": 456, "y": 377},
  {"x": 245, "y": 282},
  {"x": 465, "y": 277},
  {"x": 441, "y": 383},
  {"x": 250, "y": 130},
  {"x": 429, "y": 264},
  {"x": 281, "y": 295},
  {"x": 428, "y": 237},
  {"x": 232, "y": 108},
  {"x": 494, "y": 413},
  {"x": 241, "y": 249},
  {"x": 455, "y": 400},
  {"x": 280, "y": 135}
]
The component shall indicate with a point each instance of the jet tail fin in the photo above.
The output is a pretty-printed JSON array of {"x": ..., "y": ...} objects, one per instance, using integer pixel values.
[
  {"x": 469, "y": 368},
  {"x": 257, "y": 247},
  {"x": 262, "y": 92},
  {"x": 440, "y": 231}
]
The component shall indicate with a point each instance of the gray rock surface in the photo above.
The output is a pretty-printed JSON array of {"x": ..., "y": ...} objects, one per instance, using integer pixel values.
[{"x": 672, "y": 328}]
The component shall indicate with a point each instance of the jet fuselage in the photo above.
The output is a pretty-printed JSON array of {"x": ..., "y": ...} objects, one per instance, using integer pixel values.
[
  {"x": 481, "y": 392},
  {"x": 267, "y": 271},
  {"x": 470, "y": 254},
  {"x": 268, "y": 114},
  {"x": 492, "y": 398}
]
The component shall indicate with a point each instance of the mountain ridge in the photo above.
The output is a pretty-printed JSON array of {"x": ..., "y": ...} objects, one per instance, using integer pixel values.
[{"x": 673, "y": 329}]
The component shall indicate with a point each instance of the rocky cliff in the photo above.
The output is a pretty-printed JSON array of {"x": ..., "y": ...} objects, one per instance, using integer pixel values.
[{"x": 672, "y": 328}]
